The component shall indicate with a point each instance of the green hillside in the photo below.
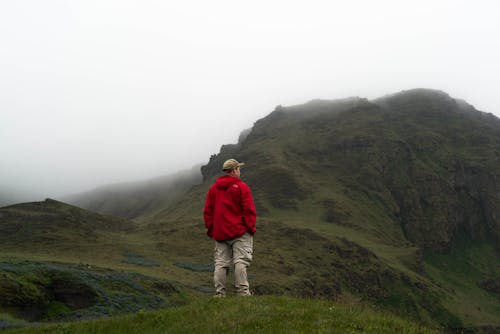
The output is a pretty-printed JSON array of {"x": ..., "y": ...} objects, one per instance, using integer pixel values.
[
  {"x": 363, "y": 197},
  {"x": 60, "y": 262},
  {"x": 56, "y": 231},
  {"x": 246, "y": 315},
  {"x": 393, "y": 203},
  {"x": 55, "y": 228},
  {"x": 136, "y": 199}
]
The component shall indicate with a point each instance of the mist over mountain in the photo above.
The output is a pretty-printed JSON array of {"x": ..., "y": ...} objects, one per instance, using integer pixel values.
[
  {"x": 140, "y": 198},
  {"x": 394, "y": 201}
]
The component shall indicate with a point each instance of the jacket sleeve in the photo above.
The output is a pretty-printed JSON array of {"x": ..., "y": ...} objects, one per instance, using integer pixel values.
[
  {"x": 248, "y": 209},
  {"x": 208, "y": 213}
]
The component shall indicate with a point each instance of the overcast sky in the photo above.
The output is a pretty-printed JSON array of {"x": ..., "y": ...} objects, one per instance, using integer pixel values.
[{"x": 97, "y": 92}]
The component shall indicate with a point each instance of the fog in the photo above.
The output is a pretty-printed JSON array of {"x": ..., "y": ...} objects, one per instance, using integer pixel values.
[{"x": 98, "y": 92}]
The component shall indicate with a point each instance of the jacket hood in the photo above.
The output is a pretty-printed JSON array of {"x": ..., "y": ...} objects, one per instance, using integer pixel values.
[{"x": 225, "y": 182}]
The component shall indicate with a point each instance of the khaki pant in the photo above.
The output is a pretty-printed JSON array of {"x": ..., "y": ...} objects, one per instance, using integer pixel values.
[{"x": 240, "y": 252}]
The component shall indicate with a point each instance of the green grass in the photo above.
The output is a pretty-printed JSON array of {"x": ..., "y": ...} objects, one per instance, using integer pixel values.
[
  {"x": 48, "y": 291},
  {"x": 245, "y": 315},
  {"x": 460, "y": 274}
]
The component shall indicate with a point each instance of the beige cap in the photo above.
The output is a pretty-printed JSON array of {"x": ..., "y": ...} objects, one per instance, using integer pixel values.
[{"x": 231, "y": 164}]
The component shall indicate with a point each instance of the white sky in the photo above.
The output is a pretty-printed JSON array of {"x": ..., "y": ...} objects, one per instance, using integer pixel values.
[{"x": 97, "y": 92}]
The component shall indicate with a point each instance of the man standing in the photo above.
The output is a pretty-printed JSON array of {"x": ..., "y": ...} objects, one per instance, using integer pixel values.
[{"x": 230, "y": 217}]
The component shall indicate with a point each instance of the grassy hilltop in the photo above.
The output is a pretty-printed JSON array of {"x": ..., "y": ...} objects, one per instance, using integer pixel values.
[{"x": 392, "y": 202}]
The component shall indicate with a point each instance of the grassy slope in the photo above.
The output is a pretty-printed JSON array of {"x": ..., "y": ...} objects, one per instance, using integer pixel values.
[
  {"x": 298, "y": 250},
  {"x": 136, "y": 199},
  {"x": 338, "y": 174},
  {"x": 246, "y": 315},
  {"x": 299, "y": 272},
  {"x": 55, "y": 231},
  {"x": 461, "y": 271}
]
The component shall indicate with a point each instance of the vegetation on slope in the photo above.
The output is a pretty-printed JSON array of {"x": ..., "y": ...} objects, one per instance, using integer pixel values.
[
  {"x": 394, "y": 201},
  {"x": 401, "y": 176},
  {"x": 53, "y": 227},
  {"x": 48, "y": 291},
  {"x": 246, "y": 315},
  {"x": 137, "y": 199}
]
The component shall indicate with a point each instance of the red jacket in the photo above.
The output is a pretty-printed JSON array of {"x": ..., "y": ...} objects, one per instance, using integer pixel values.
[{"x": 229, "y": 210}]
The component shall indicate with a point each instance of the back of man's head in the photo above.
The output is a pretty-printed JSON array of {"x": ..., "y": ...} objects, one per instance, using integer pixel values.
[{"x": 230, "y": 165}]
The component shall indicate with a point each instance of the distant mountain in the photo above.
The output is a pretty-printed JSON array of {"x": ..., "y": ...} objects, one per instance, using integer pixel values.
[
  {"x": 136, "y": 199},
  {"x": 411, "y": 180}
]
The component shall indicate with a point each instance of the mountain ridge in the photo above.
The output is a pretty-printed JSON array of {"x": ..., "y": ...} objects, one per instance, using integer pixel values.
[
  {"x": 393, "y": 202},
  {"x": 409, "y": 147}
]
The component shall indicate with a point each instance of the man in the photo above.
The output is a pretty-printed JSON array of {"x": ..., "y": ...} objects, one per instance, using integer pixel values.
[{"x": 230, "y": 217}]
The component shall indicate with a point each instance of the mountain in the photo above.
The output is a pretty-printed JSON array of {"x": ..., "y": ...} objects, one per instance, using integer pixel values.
[
  {"x": 392, "y": 202},
  {"x": 135, "y": 199},
  {"x": 395, "y": 200},
  {"x": 431, "y": 161}
]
